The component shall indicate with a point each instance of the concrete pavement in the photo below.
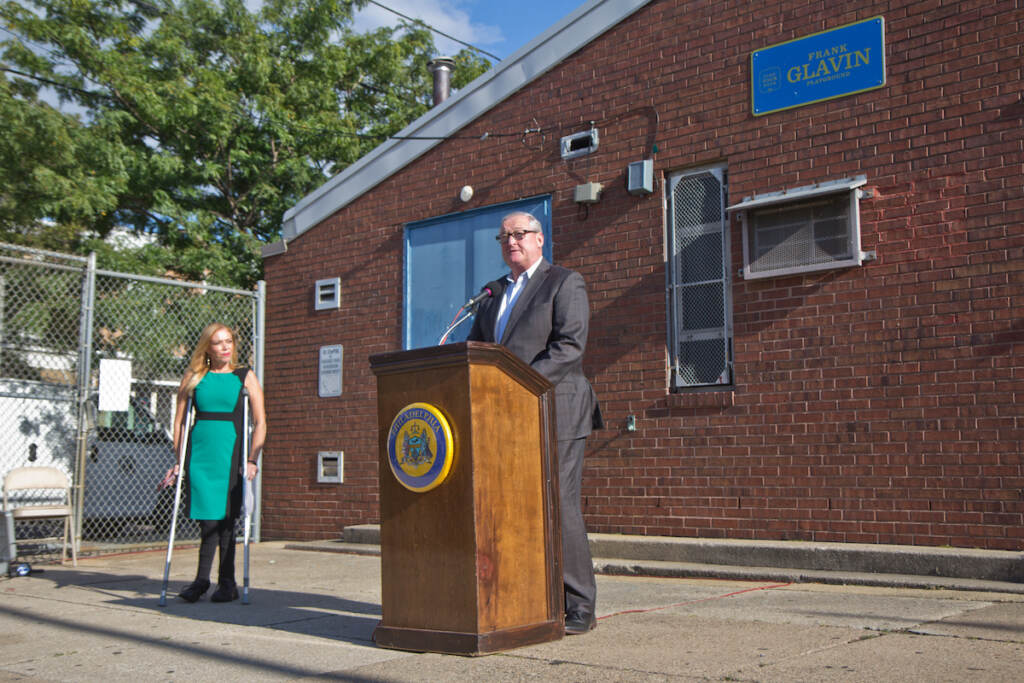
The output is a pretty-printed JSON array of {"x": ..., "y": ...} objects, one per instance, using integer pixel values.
[{"x": 313, "y": 615}]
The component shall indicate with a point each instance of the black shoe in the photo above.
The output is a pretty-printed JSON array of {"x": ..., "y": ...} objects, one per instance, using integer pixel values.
[
  {"x": 226, "y": 592},
  {"x": 194, "y": 591},
  {"x": 577, "y": 622}
]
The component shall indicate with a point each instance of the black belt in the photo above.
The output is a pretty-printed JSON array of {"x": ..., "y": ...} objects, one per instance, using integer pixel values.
[{"x": 211, "y": 415}]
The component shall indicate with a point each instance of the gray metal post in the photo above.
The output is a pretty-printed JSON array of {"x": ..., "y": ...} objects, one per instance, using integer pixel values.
[{"x": 84, "y": 376}]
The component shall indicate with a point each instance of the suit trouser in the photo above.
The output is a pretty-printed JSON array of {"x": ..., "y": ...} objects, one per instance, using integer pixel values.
[{"x": 577, "y": 565}]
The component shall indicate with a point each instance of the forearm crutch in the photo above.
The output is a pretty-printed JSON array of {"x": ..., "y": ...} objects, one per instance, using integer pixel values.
[
  {"x": 248, "y": 499},
  {"x": 182, "y": 449}
]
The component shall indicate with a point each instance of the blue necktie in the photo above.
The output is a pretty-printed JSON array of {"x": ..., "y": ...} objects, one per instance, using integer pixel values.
[{"x": 511, "y": 294}]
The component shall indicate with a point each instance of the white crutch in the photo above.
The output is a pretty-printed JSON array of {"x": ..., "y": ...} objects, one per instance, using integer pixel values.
[
  {"x": 182, "y": 449},
  {"x": 248, "y": 500}
]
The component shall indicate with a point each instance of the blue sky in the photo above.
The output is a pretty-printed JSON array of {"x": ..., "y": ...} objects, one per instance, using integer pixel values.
[{"x": 499, "y": 27}]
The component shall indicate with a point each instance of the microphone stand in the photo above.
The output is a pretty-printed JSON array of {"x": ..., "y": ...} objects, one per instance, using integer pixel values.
[
  {"x": 470, "y": 308},
  {"x": 468, "y": 314}
]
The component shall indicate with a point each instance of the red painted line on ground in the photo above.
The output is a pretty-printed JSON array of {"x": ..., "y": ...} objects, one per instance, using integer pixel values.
[{"x": 694, "y": 602}]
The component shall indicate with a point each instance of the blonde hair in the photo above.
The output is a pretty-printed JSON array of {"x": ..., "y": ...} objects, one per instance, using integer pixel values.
[{"x": 199, "y": 363}]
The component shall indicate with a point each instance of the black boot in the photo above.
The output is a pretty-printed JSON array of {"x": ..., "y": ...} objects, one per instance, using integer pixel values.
[
  {"x": 226, "y": 592},
  {"x": 195, "y": 590}
]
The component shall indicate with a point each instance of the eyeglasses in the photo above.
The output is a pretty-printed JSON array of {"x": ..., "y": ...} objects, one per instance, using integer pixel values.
[{"x": 516, "y": 235}]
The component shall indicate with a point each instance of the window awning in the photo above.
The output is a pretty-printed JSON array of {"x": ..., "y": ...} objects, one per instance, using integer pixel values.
[{"x": 799, "y": 193}]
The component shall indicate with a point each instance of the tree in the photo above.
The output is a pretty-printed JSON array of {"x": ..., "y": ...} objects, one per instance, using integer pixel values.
[
  {"x": 51, "y": 166},
  {"x": 202, "y": 123}
]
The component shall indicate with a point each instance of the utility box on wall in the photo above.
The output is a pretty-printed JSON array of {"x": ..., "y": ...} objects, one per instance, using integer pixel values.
[{"x": 640, "y": 177}]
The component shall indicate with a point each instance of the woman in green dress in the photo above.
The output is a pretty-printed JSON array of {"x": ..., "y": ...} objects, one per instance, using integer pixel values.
[{"x": 214, "y": 458}]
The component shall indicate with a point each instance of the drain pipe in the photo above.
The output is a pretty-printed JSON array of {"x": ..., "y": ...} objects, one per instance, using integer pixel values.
[{"x": 442, "y": 68}]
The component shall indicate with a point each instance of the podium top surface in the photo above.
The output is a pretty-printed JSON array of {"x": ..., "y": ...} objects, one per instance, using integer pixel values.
[{"x": 459, "y": 355}]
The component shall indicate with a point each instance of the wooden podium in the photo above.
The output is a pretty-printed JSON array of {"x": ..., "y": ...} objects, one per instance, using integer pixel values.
[{"x": 473, "y": 565}]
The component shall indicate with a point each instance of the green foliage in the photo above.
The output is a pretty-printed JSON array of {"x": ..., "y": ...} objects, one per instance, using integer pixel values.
[
  {"x": 201, "y": 121},
  {"x": 51, "y": 166}
]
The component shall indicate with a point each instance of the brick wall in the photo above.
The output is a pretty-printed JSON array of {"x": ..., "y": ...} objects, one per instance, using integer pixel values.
[{"x": 876, "y": 404}]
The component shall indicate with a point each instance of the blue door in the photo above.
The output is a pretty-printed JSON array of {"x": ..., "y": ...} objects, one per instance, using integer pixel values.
[{"x": 448, "y": 259}]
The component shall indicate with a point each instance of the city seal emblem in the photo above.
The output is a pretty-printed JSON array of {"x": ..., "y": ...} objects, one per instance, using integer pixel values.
[{"x": 420, "y": 447}]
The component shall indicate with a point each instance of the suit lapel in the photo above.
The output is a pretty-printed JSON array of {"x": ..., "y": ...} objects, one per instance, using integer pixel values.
[{"x": 525, "y": 297}]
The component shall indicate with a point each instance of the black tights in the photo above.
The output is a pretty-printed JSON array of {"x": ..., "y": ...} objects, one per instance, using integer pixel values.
[{"x": 217, "y": 533}]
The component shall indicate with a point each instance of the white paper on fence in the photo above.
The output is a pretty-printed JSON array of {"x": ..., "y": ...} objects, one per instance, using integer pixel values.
[{"x": 115, "y": 384}]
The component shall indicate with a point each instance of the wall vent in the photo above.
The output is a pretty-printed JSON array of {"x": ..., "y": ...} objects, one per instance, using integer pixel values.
[
  {"x": 579, "y": 144},
  {"x": 327, "y": 294},
  {"x": 330, "y": 467}
]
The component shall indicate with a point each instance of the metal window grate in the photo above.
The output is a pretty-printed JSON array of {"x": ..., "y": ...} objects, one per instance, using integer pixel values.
[
  {"x": 793, "y": 236},
  {"x": 698, "y": 289}
]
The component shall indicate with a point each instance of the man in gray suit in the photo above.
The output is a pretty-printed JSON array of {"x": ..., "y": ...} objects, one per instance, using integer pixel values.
[{"x": 541, "y": 314}]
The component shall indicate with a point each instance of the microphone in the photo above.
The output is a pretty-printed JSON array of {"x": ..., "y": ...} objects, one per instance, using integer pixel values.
[
  {"x": 488, "y": 290},
  {"x": 469, "y": 307}
]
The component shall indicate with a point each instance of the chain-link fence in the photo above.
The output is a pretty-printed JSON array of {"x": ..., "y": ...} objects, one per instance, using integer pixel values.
[{"x": 60, "y": 318}]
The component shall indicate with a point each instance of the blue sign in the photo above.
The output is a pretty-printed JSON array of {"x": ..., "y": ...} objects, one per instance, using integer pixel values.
[{"x": 822, "y": 66}]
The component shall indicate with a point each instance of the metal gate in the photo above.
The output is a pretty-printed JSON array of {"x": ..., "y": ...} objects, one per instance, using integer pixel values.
[{"x": 60, "y": 317}]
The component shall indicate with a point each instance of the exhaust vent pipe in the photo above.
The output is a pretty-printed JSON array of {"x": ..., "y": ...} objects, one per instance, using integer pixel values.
[{"x": 442, "y": 68}]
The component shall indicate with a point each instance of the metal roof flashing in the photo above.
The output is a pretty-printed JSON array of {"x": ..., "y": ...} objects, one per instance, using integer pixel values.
[{"x": 798, "y": 193}]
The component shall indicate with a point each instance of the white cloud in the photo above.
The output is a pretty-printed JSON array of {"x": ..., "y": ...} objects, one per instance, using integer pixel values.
[{"x": 443, "y": 15}]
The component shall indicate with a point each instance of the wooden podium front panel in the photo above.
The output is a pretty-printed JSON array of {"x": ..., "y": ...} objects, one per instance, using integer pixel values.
[
  {"x": 428, "y": 567},
  {"x": 473, "y": 565},
  {"x": 511, "y": 553}
]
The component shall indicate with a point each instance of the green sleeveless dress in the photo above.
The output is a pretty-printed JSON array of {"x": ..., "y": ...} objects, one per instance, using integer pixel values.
[{"x": 214, "y": 448}]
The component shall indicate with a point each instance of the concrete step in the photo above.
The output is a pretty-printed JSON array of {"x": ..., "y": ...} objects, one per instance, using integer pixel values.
[
  {"x": 782, "y": 561},
  {"x": 965, "y": 563}
]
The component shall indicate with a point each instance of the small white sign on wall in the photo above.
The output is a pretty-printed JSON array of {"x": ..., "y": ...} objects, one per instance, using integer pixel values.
[
  {"x": 330, "y": 371},
  {"x": 115, "y": 384}
]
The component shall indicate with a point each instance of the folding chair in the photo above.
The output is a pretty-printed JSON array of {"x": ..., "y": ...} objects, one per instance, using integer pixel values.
[{"x": 41, "y": 479}]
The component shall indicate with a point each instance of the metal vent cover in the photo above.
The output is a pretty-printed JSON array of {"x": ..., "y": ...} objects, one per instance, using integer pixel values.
[{"x": 698, "y": 288}]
